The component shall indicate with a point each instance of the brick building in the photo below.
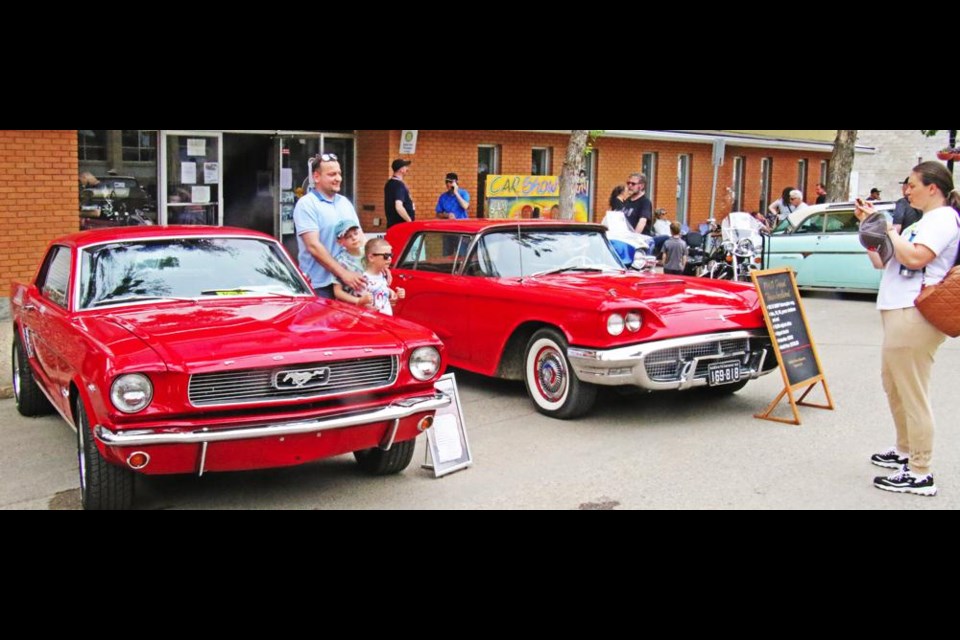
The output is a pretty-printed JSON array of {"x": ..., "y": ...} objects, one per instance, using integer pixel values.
[{"x": 247, "y": 178}]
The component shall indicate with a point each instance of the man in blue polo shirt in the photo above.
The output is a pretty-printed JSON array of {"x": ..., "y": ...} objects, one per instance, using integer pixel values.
[
  {"x": 316, "y": 217},
  {"x": 454, "y": 202}
]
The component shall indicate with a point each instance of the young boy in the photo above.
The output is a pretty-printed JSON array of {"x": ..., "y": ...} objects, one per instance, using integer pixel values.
[
  {"x": 378, "y": 256},
  {"x": 674, "y": 252},
  {"x": 350, "y": 239}
]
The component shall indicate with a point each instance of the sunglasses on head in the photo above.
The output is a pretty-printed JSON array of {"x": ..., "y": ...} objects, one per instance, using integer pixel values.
[{"x": 324, "y": 157}]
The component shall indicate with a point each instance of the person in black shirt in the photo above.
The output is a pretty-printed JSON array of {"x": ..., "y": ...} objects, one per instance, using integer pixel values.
[
  {"x": 821, "y": 194},
  {"x": 904, "y": 215},
  {"x": 396, "y": 197},
  {"x": 637, "y": 208}
]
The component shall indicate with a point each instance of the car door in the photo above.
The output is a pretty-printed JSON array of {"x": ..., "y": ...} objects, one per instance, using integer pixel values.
[
  {"x": 793, "y": 249},
  {"x": 436, "y": 295},
  {"x": 839, "y": 260},
  {"x": 496, "y": 299},
  {"x": 45, "y": 321}
]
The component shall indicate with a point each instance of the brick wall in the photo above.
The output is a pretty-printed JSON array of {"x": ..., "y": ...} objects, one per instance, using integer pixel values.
[
  {"x": 38, "y": 197},
  {"x": 38, "y": 178},
  {"x": 440, "y": 151}
]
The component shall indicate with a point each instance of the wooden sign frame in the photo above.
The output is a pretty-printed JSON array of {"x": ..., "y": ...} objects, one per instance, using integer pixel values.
[{"x": 783, "y": 307}]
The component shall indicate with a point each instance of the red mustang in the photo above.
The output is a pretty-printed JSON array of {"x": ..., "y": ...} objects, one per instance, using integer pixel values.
[
  {"x": 550, "y": 302},
  {"x": 194, "y": 349}
]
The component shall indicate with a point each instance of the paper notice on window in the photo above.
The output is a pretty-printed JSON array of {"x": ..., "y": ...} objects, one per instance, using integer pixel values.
[
  {"x": 200, "y": 195},
  {"x": 286, "y": 179},
  {"x": 196, "y": 147},
  {"x": 188, "y": 173},
  {"x": 448, "y": 438},
  {"x": 211, "y": 173}
]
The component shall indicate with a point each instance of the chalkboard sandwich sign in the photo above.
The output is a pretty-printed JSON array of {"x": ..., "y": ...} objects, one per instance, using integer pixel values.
[{"x": 792, "y": 343}]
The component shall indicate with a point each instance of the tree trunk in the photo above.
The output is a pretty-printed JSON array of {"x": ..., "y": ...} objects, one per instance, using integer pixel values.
[
  {"x": 841, "y": 164},
  {"x": 570, "y": 174}
]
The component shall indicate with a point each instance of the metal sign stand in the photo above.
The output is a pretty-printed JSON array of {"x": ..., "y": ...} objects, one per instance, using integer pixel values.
[{"x": 448, "y": 449}]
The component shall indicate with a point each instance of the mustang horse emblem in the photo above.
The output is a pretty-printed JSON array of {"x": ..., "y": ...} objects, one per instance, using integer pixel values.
[{"x": 300, "y": 379}]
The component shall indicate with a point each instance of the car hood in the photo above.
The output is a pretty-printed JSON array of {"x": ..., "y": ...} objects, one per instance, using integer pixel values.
[
  {"x": 662, "y": 295},
  {"x": 198, "y": 336}
]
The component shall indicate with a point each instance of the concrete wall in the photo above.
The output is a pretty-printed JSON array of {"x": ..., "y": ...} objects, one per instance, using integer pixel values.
[{"x": 898, "y": 150}]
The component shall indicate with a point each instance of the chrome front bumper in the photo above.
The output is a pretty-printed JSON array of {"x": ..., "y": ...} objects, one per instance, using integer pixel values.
[
  {"x": 628, "y": 365},
  {"x": 393, "y": 412}
]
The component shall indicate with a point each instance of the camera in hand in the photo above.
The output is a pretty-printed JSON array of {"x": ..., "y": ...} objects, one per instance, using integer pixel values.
[{"x": 907, "y": 273}]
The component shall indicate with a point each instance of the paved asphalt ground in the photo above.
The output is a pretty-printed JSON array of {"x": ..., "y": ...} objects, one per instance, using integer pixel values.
[{"x": 662, "y": 451}]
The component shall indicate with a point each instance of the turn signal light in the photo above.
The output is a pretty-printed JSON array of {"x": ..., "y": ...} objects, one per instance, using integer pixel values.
[
  {"x": 138, "y": 460},
  {"x": 425, "y": 423}
]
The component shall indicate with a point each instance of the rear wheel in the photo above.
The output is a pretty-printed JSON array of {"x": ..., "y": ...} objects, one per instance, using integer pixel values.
[
  {"x": 103, "y": 486},
  {"x": 378, "y": 462},
  {"x": 29, "y": 397},
  {"x": 554, "y": 388}
]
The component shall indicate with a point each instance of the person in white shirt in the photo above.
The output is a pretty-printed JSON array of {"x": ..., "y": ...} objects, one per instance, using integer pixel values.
[
  {"x": 922, "y": 255},
  {"x": 783, "y": 208}
]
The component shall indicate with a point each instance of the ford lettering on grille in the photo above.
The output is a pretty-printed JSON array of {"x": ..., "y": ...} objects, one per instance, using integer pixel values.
[{"x": 302, "y": 379}]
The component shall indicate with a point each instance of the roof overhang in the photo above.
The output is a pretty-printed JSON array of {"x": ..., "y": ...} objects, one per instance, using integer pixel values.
[{"x": 700, "y": 137}]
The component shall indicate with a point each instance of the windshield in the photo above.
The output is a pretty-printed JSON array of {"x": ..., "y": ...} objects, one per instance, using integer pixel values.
[
  {"x": 739, "y": 225},
  {"x": 185, "y": 268},
  {"x": 503, "y": 254}
]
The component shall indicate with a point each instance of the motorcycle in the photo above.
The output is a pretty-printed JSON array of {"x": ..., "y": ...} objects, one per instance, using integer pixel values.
[
  {"x": 106, "y": 213},
  {"x": 697, "y": 254},
  {"x": 739, "y": 250}
]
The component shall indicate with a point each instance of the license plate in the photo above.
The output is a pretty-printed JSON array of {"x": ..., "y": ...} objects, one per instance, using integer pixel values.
[{"x": 723, "y": 373}]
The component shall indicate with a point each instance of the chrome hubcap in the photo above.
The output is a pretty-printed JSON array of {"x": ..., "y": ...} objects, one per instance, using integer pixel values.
[
  {"x": 551, "y": 375},
  {"x": 16, "y": 373}
]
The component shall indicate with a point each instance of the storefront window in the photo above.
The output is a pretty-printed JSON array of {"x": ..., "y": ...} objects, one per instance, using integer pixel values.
[
  {"x": 139, "y": 146},
  {"x": 118, "y": 176},
  {"x": 92, "y": 144}
]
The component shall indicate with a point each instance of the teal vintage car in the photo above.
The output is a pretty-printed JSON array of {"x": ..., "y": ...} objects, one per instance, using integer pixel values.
[{"x": 821, "y": 244}]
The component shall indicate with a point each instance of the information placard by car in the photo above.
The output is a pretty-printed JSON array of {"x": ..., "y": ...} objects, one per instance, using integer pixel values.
[
  {"x": 447, "y": 444},
  {"x": 792, "y": 343}
]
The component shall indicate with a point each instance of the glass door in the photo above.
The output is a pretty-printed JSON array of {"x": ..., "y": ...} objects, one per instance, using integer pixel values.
[
  {"x": 190, "y": 174},
  {"x": 294, "y": 152}
]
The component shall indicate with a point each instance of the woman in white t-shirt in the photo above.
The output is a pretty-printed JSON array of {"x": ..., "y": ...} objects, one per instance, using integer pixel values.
[{"x": 924, "y": 254}]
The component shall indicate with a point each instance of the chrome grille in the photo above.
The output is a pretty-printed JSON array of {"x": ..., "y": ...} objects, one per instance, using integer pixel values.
[
  {"x": 257, "y": 385},
  {"x": 666, "y": 365}
]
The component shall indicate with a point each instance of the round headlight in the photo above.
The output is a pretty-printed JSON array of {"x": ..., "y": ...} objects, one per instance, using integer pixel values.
[
  {"x": 424, "y": 363},
  {"x": 131, "y": 393},
  {"x": 615, "y": 324},
  {"x": 634, "y": 322},
  {"x": 745, "y": 247}
]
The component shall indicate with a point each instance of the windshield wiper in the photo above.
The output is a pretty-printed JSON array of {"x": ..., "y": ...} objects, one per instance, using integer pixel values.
[
  {"x": 239, "y": 291},
  {"x": 108, "y": 301},
  {"x": 565, "y": 269}
]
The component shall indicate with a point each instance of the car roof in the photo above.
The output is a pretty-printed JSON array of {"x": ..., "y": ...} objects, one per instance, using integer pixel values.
[
  {"x": 83, "y": 239},
  {"x": 402, "y": 232},
  {"x": 800, "y": 215}
]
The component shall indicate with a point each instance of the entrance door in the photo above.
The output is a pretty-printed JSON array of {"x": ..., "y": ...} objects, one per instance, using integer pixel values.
[
  {"x": 293, "y": 153},
  {"x": 190, "y": 175},
  {"x": 488, "y": 162},
  {"x": 250, "y": 183}
]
